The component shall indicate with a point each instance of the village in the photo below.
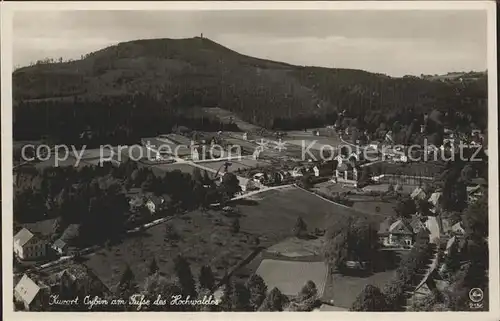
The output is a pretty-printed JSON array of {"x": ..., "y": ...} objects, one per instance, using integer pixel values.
[{"x": 278, "y": 216}]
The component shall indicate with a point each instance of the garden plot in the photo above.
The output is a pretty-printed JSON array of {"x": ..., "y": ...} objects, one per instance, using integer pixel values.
[{"x": 290, "y": 276}]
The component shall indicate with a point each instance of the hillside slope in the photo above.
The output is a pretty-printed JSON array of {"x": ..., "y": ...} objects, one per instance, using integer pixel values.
[{"x": 199, "y": 72}]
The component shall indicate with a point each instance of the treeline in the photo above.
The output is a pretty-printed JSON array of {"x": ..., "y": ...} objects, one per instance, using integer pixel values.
[
  {"x": 117, "y": 120},
  {"x": 94, "y": 197}
]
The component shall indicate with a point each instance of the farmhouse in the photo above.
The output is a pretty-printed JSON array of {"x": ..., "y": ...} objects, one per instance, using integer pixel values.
[
  {"x": 32, "y": 295},
  {"x": 136, "y": 202},
  {"x": 474, "y": 193},
  {"x": 418, "y": 194},
  {"x": 28, "y": 246},
  {"x": 60, "y": 246},
  {"x": 400, "y": 233},
  {"x": 345, "y": 173},
  {"x": 435, "y": 201},
  {"x": 156, "y": 203}
]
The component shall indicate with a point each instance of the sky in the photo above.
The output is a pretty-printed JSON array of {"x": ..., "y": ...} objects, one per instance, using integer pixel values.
[{"x": 392, "y": 42}]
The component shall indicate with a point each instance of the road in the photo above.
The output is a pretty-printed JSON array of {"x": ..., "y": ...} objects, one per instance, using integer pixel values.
[{"x": 434, "y": 237}]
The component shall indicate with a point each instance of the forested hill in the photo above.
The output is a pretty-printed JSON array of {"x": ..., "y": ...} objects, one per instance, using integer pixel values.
[{"x": 183, "y": 73}]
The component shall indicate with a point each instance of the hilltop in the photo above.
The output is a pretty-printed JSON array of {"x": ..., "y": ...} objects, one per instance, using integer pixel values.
[{"x": 198, "y": 72}]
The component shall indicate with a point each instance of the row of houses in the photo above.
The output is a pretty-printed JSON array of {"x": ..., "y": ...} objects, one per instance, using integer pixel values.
[
  {"x": 31, "y": 246},
  {"x": 401, "y": 233}
]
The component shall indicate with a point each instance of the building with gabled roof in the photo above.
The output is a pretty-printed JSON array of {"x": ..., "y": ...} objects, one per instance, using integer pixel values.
[
  {"x": 32, "y": 295},
  {"x": 400, "y": 232},
  {"x": 29, "y": 246},
  {"x": 418, "y": 194}
]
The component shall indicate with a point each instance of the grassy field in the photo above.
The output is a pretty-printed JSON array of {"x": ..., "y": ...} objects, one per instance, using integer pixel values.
[
  {"x": 295, "y": 248},
  {"x": 272, "y": 215},
  {"x": 205, "y": 238},
  {"x": 290, "y": 276},
  {"x": 344, "y": 289}
]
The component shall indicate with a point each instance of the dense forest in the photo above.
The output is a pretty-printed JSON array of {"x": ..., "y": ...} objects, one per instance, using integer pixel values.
[{"x": 150, "y": 85}]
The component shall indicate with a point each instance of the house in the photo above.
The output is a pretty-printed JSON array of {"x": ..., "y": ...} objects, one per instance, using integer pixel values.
[
  {"x": 298, "y": 172},
  {"x": 156, "y": 203},
  {"x": 28, "y": 246},
  {"x": 400, "y": 233},
  {"x": 435, "y": 200},
  {"x": 77, "y": 278},
  {"x": 346, "y": 173},
  {"x": 136, "y": 202},
  {"x": 418, "y": 194},
  {"x": 474, "y": 193},
  {"x": 458, "y": 229},
  {"x": 32, "y": 295},
  {"x": 195, "y": 155},
  {"x": 449, "y": 244},
  {"x": 60, "y": 246}
]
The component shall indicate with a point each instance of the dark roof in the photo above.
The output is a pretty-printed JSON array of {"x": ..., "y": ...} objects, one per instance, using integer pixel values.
[
  {"x": 59, "y": 243},
  {"x": 385, "y": 225}
]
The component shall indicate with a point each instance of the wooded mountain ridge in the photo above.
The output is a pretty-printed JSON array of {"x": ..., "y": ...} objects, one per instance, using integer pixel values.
[{"x": 198, "y": 72}]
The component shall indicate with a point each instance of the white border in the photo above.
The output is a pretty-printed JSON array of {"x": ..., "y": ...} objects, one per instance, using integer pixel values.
[{"x": 7, "y": 9}]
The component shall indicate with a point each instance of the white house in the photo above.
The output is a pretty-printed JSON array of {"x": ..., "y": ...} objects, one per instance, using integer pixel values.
[
  {"x": 195, "y": 155},
  {"x": 28, "y": 246},
  {"x": 418, "y": 194},
  {"x": 458, "y": 229},
  {"x": 435, "y": 200},
  {"x": 32, "y": 295}
]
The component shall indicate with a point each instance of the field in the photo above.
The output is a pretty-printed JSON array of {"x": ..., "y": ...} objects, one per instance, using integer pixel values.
[
  {"x": 297, "y": 248},
  {"x": 343, "y": 289},
  {"x": 290, "y": 276},
  {"x": 205, "y": 238},
  {"x": 272, "y": 214}
]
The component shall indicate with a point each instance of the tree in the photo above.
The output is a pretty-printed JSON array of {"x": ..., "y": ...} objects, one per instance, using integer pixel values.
[
  {"x": 171, "y": 233},
  {"x": 354, "y": 239},
  {"x": 240, "y": 299},
  {"x": 206, "y": 178},
  {"x": 364, "y": 178},
  {"x": 306, "y": 181},
  {"x": 157, "y": 285},
  {"x": 300, "y": 227},
  {"x": 183, "y": 273},
  {"x": 226, "y": 303},
  {"x": 230, "y": 185},
  {"x": 405, "y": 207},
  {"x": 275, "y": 301},
  {"x": 206, "y": 278},
  {"x": 258, "y": 291},
  {"x": 127, "y": 285},
  {"x": 307, "y": 298},
  {"x": 235, "y": 225},
  {"x": 197, "y": 175},
  {"x": 370, "y": 299},
  {"x": 153, "y": 267},
  {"x": 475, "y": 219}
]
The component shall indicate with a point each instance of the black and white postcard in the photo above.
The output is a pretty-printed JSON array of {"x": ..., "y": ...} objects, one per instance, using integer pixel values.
[{"x": 249, "y": 157}]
